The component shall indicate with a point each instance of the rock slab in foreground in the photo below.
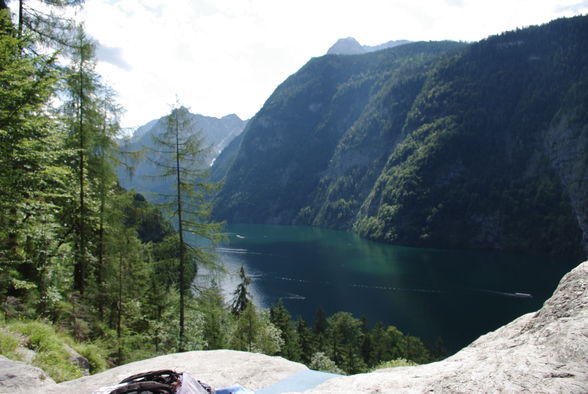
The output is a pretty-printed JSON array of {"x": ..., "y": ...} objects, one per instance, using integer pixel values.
[
  {"x": 218, "y": 368},
  {"x": 16, "y": 376},
  {"x": 541, "y": 352}
]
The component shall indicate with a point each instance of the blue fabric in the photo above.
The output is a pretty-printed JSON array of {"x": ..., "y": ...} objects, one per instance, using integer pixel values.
[
  {"x": 234, "y": 390},
  {"x": 298, "y": 382}
]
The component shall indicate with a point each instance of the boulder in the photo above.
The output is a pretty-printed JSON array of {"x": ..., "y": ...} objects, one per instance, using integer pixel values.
[
  {"x": 20, "y": 377},
  {"x": 218, "y": 368}
]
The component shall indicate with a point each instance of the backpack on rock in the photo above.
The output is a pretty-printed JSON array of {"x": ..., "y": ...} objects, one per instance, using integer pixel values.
[{"x": 164, "y": 381}]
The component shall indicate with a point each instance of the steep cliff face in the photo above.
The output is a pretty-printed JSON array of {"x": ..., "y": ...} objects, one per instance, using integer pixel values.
[
  {"x": 566, "y": 143},
  {"x": 428, "y": 144}
]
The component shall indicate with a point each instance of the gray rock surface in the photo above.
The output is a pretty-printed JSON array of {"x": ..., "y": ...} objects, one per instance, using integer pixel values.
[
  {"x": 17, "y": 377},
  {"x": 78, "y": 360},
  {"x": 218, "y": 368}
]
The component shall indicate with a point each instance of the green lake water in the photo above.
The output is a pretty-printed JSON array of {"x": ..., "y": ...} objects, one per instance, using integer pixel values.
[{"x": 454, "y": 295}]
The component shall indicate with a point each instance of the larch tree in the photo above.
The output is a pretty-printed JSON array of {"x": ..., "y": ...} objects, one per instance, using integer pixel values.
[
  {"x": 104, "y": 160},
  {"x": 42, "y": 20},
  {"x": 85, "y": 121},
  {"x": 180, "y": 153}
]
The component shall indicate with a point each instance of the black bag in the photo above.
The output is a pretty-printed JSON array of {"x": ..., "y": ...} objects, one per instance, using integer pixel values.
[
  {"x": 145, "y": 388},
  {"x": 164, "y": 381}
]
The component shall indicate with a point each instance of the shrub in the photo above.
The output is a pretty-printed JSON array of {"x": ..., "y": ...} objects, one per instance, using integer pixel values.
[
  {"x": 95, "y": 356},
  {"x": 321, "y": 362},
  {"x": 399, "y": 362}
]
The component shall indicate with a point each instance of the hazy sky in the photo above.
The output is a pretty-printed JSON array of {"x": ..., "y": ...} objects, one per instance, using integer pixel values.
[{"x": 227, "y": 56}]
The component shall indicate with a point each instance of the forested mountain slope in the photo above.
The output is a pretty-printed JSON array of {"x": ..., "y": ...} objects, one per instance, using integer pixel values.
[
  {"x": 288, "y": 145},
  {"x": 481, "y": 145}
]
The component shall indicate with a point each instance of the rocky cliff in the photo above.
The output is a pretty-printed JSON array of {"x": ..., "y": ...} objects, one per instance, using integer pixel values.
[{"x": 541, "y": 352}]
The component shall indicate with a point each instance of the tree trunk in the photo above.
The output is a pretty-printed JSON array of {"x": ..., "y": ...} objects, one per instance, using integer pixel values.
[
  {"x": 181, "y": 236},
  {"x": 80, "y": 268}
]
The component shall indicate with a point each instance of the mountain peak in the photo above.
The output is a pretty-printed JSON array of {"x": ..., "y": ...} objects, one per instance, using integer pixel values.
[
  {"x": 346, "y": 46},
  {"x": 350, "y": 46}
]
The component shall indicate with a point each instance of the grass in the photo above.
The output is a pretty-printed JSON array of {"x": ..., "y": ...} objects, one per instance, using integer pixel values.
[
  {"x": 52, "y": 355},
  {"x": 8, "y": 345}
]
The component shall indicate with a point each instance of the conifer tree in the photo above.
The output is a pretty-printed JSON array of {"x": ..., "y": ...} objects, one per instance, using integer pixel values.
[
  {"x": 280, "y": 318},
  {"x": 319, "y": 328},
  {"x": 181, "y": 153},
  {"x": 44, "y": 23},
  {"x": 306, "y": 341},
  {"x": 216, "y": 317},
  {"x": 104, "y": 159},
  {"x": 84, "y": 122},
  {"x": 241, "y": 298},
  {"x": 32, "y": 176}
]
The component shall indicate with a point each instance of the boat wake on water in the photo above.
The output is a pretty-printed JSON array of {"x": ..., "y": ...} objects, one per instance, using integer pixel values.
[
  {"x": 354, "y": 285},
  {"x": 402, "y": 289},
  {"x": 504, "y": 293},
  {"x": 292, "y": 296},
  {"x": 234, "y": 251}
]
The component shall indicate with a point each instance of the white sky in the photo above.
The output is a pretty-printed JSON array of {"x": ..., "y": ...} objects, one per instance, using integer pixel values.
[{"x": 228, "y": 56}]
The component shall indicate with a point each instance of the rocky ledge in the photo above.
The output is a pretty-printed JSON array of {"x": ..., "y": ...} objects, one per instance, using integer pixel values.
[{"x": 541, "y": 352}]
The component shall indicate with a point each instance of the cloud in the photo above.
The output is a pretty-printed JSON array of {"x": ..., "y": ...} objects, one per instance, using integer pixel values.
[
  {"x": 113, "y": 56},
  {"x": 576, "y": 8},
  {"x": 455, "y": 3},
  {"x": 228, "y": 56}
]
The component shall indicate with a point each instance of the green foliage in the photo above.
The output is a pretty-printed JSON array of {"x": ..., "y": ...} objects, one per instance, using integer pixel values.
[
  {"x": 345, "y": 339},
  {"x": 321, "y": 362},
  {"x": 75, "y": 249},
  {"x": 342, "y": 343},
  {"x": 241, "y": 297},
  {"x": 254, "y": 332},
  {"x": 95, "y": 355},
  {"x": 429, "y": 144},
  {"x": 180, "y": 154},
  {"x": 216, "y": 318},
  {"x": 33, "y": 176},
  {"x": 472, "y": 170},
  {"x": 281, "y": 319},
  {"x": 399, "y": 362},
  {"x": 8, "y": 345}
]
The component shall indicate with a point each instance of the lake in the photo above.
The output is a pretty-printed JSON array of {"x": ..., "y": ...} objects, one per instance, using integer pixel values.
[{"x": 455, "y": 295}]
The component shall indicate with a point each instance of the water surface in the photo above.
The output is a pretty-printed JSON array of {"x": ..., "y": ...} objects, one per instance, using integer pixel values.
[{"x": 454, "y": 295}]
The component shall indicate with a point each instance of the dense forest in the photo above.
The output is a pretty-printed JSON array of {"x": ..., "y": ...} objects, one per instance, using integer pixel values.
[
  {"x": 82, "y": 257},
  {"x": 430, "y": 144}
]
